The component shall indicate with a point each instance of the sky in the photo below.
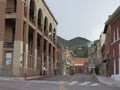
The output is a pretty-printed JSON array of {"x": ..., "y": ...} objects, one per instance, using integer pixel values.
[{"x": 81, "y": 18}]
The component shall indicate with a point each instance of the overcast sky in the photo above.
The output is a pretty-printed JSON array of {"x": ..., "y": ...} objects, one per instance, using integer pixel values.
[{"x": 81, "y": 18}]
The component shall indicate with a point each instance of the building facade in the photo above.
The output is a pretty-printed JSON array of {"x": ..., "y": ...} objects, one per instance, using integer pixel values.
[
  {"x": 102, "y": 66},
  {"x": 91, "y": 57},
  {"x": 60, "y": 63},
  {"x": 27, "y": 37},
  {"x": 112, "y": 28},
  {"x": 67, "y": 60},
  {"x": 81, "y": 65}
]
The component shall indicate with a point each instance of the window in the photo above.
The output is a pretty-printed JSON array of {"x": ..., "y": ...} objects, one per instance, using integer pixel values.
[
  {"x": 113, "y": 36},
  {"x": 8, "y": 58},
  {"x": 117, "y": 33}
]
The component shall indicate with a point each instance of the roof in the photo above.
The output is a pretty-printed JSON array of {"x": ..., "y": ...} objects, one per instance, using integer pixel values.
[
  {"x": 113, "y": 16},
  {"x": 80, "y": 61}
]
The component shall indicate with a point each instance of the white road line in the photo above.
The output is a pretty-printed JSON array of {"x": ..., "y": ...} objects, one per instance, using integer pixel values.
[
  {"x": 52, "y": 81},
  {"x": 38, "y": 81},
  {"x": 95, "y": 84},
  {"x": 61, "y": 82},
  {"x": 72, "y": 83},
  {"x": 85, "y": 83}
]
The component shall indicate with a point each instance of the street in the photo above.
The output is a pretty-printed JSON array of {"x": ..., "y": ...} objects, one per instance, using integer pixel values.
[{"x": 74, "y": 82}]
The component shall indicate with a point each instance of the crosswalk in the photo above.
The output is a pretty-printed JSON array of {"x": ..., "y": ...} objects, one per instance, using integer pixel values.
[{"x": 86, "y": 83}]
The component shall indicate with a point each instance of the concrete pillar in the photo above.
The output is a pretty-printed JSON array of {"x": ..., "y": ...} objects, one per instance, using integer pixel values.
[
  {"x": 18, "y": 43},
  {"x": 55, "y": 57},
  {"x": 35, "y": 48},
  {"x": 2, "y": 28},
  {"x": 47, "y": 57},
  {"x": 51, "y": 59},
  {"x": 41, "y": 50},
  {"x": 26, "y": 33}
]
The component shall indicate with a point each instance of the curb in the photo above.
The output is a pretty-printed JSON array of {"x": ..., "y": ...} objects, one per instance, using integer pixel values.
[
  {"x": 113, "y": 83},
  {"x": 39, "y": 77}
]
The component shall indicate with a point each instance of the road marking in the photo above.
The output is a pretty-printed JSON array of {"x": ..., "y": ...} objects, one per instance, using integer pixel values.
[
  {"x": 61, "y": 82},
  {"x": 61, "y": 87},
  {"x": 35, "y": 81},
  {"x": 53, "y": 81},
  {"x": 73, "y": 82},
  {"x": 85, "y": 83},
  {"x": 95, "y": 84}
]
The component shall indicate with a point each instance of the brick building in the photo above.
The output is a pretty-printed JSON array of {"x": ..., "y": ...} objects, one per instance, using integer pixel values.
[
  {"x": 112, "y": 28},
  {"x": 27, "y": 37},
  {"x": 81, "y": 65}
]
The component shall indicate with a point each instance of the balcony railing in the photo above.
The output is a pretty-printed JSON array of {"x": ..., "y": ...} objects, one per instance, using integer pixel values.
[
  {"x": 39, "y": 27},
  {"x": 30, "y": 51},
  {"x": 32, "y": 20},
  {"x": 8, "y": 45},
  {"x": 38, "y": 54},
  {"x": 9, "y": 10}
]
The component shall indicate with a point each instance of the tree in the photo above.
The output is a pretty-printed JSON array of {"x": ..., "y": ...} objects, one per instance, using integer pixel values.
[{"x": 81, "y": 51}]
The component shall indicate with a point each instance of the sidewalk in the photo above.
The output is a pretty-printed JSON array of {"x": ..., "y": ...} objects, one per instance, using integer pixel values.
[
  {"x": 107, "y": 80},
  {"x": 27, "y": 78},
  {"x": 11, "y": 78}
]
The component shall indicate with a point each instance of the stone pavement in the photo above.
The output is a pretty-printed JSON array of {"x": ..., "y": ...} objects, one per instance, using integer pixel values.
[{"x": 107, "y": 80}]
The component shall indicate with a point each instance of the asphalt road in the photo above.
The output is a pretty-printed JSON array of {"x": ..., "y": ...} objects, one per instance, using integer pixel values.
[{"x": 75, "y": 82}]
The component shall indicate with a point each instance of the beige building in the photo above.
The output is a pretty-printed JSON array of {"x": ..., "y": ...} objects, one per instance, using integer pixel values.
[
  {"x": 68, "y": 59},
  {"x": 27, "y": 37}
]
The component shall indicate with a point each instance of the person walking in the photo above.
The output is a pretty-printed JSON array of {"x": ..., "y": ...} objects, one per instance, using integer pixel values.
[{"x": 44, "y": 71}]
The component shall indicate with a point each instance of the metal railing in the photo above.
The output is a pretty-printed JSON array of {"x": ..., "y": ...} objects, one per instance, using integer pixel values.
[
  {"x": 32, "y": 19},
  {"x": 8, "y": 45},
  {"x": 9, "y": 10}
]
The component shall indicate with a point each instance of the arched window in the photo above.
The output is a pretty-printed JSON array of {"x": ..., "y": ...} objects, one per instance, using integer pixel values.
[
  {"x": 50, "y": 31},
  {"x": 45, "y": 26},
  {"x": 54, "y": 35},
  {"x": 32, "y": 10},
  {"x": 54, "y": 32},
  {"x": 39, "y": 19}
]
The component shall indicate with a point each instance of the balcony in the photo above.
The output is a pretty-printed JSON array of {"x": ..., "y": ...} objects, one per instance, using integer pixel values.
[
  {"x": 32, "y": 20},
  {"x": 30, "y": 51},
  {"x": 39, "y": 27},
  {"x": 10, "y": 13},
  {"x": 8, "y": 45},
  {"x": 9, "y": 10}
]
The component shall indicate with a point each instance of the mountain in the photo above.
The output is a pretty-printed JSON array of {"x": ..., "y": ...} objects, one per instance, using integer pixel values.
[
  {"x": 78, "y": 41},
  {"x": 62, "y": 41},
  {"x": 78, "y": 45}
]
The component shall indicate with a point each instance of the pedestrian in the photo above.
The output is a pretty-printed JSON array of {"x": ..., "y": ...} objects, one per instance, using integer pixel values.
[
  {"x": 55, "y": 72},
  {"x": 44, "y": 71}
]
